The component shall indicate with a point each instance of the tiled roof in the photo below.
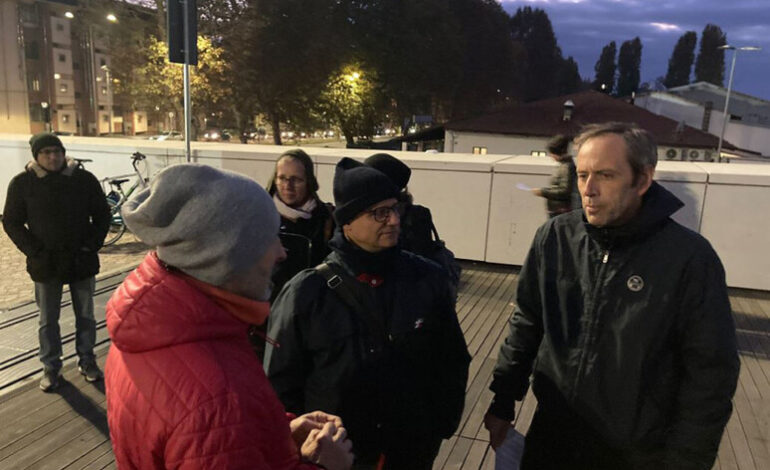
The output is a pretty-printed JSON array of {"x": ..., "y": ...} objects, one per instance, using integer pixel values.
[{"x": 544, "y": 119}]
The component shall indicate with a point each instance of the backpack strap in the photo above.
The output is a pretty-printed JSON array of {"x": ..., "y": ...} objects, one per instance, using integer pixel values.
[{"x": 351, "y": 292}]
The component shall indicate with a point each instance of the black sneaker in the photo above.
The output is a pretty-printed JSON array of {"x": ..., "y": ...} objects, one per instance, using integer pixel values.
[
  {"x": 90, "y": 371},
  {"x": 50, "y": 380}
]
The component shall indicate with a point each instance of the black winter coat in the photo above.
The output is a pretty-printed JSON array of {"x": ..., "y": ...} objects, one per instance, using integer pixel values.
[
  {"x": 629, "y": 328},
  {"x": 316, "y": 231},
  {"x": 58, "y": 220},
  {"x": 410, "y": 394}
]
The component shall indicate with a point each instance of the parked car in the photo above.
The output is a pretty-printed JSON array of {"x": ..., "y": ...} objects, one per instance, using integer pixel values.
[{"x": 170, "y": 135}]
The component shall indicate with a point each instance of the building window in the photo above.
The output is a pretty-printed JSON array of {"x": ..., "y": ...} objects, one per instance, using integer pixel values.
[
  {"x": 59, "y": 27},
  {"x": 33, "y": 82},
  {"x": 65, "y": 118},
  {"x": 31, "y": 50},
  {"x": 76, "y": 65},
  {"x": 106, "y": 118},
  {"x": 139, "y": 118},
  {"x": 102, "y": 61},
  {"x": 63, "y": 88},
  {"x": 62, "y": 58},
  {"x": 104, "y": 90},
  {"x": 78, "y": 95},
  {"x": 538, "y": 153},
  {"x": 479, "y": 150},
  {"x": 28, "y": 13}
]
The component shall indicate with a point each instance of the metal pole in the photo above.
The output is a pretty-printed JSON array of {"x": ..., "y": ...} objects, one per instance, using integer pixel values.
[
  {"x": 726, "y": 116},
  {"x": 187, "y": 104},
  {"x": 109, "y": 94}
]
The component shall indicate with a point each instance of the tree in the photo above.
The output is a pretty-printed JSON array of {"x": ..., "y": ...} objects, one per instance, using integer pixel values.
[
  {"x": 569, "y": 80},
  {"x": 489, "y": 75},
  {"x": 680, "y": 63},
  {"x": 159, "y": 83},
  {"x": 710, "y": 64},
  {"x": 629, "y": 61},
  {"x": 532, "y": 29},
  {"x": 351, "y": 100},
  {"x": 415, "y": 47},
  {"x": 604, "y": 80},
  {"x": 281, "y": 53}
]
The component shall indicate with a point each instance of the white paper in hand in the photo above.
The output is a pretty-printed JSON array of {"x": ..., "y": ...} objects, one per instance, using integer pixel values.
[
  {"x": 508, "y": 455},
  {"x": 523, "y": 187}
]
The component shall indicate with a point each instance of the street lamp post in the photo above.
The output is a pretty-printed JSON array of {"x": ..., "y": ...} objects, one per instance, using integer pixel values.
[
  {"x": 108, "y": 78},
  {"x": 726, "y": 116}
]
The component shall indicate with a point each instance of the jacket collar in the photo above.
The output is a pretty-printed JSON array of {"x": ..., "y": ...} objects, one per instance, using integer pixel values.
[
  {"x": 34, "y": 167},
  {"x": 658, "y": 204}
]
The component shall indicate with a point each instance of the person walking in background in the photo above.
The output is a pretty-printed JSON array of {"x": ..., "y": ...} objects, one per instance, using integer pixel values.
[
  {"x": 561, "y": 196},
  {"x": 623, "y": 320},
  {"x": 304, "y": 217},
  {"x": 57, "y": 215},
  {"x": 184, "y": 389},
  {"x": 372, "y": 334}
]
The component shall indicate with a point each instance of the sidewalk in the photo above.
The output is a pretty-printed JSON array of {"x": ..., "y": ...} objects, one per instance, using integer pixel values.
[{"x": 16, "y": 287}]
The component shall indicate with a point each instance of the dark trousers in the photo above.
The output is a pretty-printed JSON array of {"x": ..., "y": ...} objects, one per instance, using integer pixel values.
[
  {"x": 48, "y": 298},
  {"x": 560, "y": 440}
]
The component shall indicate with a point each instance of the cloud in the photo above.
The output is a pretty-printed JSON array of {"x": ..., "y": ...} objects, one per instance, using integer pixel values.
[{"x": 665, "y": 26}]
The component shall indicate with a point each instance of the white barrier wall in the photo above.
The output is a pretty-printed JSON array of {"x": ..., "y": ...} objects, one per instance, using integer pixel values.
[{"x": 473, "y": 198}]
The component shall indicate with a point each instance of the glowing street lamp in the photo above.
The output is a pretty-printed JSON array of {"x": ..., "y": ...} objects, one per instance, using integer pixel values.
[
  {"x": 68, "y": 14},
  {"x": 112, "y": 18},
  {"x": 726, "y": 116}
]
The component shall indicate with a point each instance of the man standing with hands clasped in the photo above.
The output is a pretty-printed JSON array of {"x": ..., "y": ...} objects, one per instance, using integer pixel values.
[{"x": 624, "y": 322}]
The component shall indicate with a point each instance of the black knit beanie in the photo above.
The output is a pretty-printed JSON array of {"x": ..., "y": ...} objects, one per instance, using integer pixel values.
[
  {"x": 43, "y": 140},
  {"x": 394, "y": 168},
  {"x": 358, "y": 187}
]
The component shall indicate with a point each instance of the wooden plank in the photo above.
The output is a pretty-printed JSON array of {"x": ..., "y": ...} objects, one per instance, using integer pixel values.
[
  {"x": 443, "y": 454},
  {"x": 476, "y": 455},
  {"x": 458, "y": 454},
  {"x": 102, "y": 452}
]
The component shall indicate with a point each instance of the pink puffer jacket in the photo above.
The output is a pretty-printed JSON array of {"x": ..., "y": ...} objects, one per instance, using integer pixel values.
[{"x": 184, "y": 388}]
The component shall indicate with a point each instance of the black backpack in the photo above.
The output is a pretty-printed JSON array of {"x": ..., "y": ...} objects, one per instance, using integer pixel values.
[{"x": 419, "y": 235}]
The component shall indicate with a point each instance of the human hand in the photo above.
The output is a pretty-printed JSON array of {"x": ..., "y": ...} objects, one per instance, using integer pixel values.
[
  {"x": 498, "y": 429},
  {"x": 329, "y": 447},
  {"x": 302, "y": 425},
  {"x": 537, "y": 192}
]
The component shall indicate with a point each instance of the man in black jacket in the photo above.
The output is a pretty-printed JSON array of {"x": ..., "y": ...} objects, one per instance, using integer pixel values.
[
  {"x": 392, "y": 362},
  {"x": 624, "y": 322},
  {"x": 57, "y": 215}
]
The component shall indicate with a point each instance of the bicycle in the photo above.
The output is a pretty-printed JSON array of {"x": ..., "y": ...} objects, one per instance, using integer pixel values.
[{"x": 117, "y": 197}]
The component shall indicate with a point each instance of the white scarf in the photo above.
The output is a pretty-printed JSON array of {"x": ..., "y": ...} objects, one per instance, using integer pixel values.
[{"x": 303, "y": 212}]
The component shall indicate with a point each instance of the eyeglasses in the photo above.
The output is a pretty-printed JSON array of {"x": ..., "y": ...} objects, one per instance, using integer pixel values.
[
  {"x": 382, "y": 214},
  {"x": 292, "y": 180}
]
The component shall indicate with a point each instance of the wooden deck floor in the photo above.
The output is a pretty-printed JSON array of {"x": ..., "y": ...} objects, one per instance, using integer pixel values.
[{"x": 68, "y": 430}]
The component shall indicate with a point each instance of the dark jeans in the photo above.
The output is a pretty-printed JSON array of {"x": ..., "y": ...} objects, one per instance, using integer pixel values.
[
  {"x": 48, "y": 297},
  {"x": 560, "y": 440}
]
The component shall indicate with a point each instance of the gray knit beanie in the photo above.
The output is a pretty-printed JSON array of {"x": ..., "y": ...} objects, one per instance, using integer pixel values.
[{"x": 206, "y": 222}]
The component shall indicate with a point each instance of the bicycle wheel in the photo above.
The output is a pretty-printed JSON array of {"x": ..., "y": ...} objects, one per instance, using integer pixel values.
[{"x": 117, "y": 226}]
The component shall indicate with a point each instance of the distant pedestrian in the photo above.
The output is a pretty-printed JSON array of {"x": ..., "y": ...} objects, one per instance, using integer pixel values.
[
  {"x": 56, "y": 213},
  {"x": 372, "y": 335},
  {"x": 561, "y": 196},
  {"x": 184, "y": 389},
  {"x": 623, "y": 321}
]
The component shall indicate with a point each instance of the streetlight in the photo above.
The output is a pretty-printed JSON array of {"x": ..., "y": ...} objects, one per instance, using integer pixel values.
[
  {"x": 46, "y": 115},
  {"x": 109, "y": 92},
  {"x": 111, "y": 18},
  {"x": 726, "y": 116}
]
